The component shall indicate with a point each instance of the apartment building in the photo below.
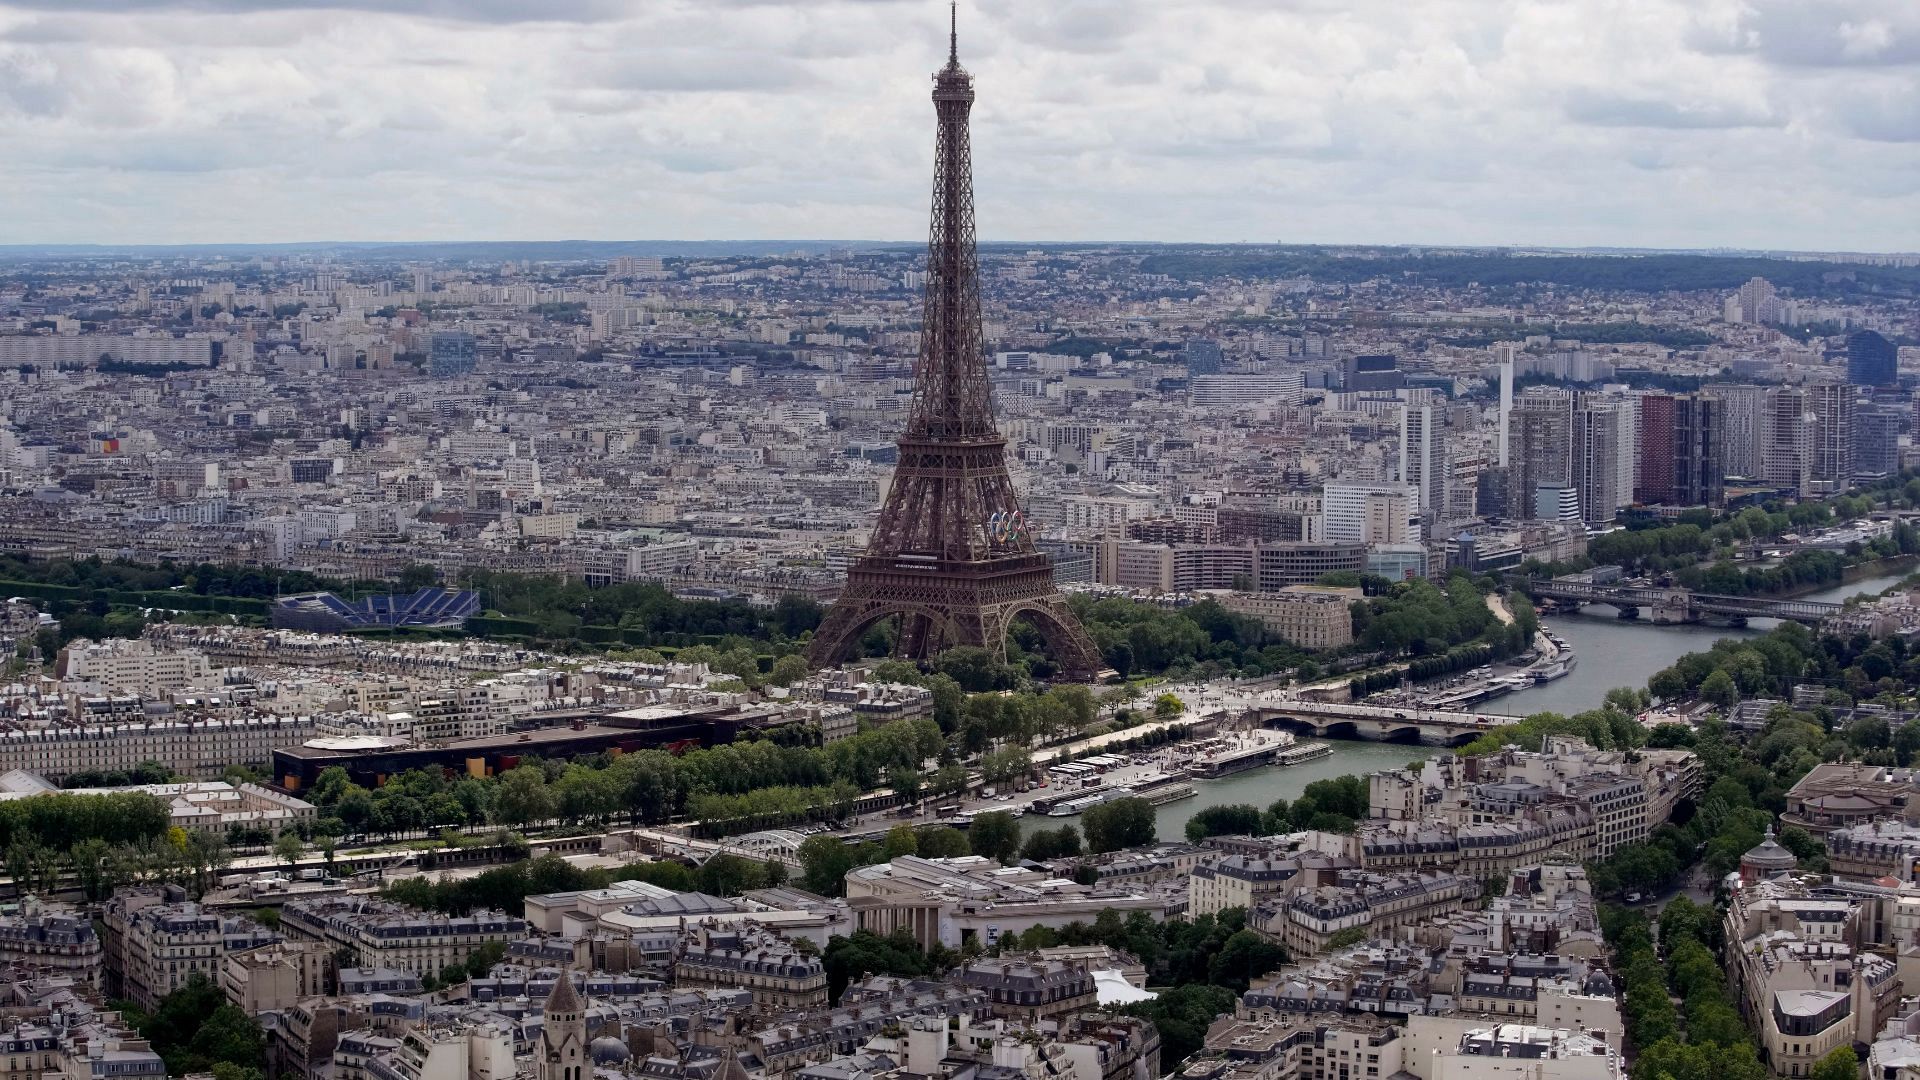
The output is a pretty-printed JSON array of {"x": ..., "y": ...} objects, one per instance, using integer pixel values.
[
  {"x": 276, "y": 976},
  {"x": 1478, "y": 850},
  {"x": 377, "y": 933},
  {"x": 778, "y": 975},
  {"x": 1875, "y": 849},
  {"x": 1310, "y": 616},
  {"x": 1028, "y": 988},
  {"x": 154, "y": 944},
  {"x": 1307, "y": 919},
  {"x": 1802, "y": 981},
  {"x": 132, "y": 664},
  {"x": 199, "y": 748},
  {"x": 1244, "y": 881},
  {"x": 52, "y": 939}
]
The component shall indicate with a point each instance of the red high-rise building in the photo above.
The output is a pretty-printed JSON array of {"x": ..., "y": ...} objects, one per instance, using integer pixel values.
[{"x": 1654, "y": 473}]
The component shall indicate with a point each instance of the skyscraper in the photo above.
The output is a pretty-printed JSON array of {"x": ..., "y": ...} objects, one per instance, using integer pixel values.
[
  {"x": 1505, "y": 350},
  {"x": 951, "y": 560},
  {"x": 1654, "y": 475},
  {"x": 1757, "y": 302},
  {"x": 1542, "y": 429},
  {"x": 453, "y": 354},
  {"x": 1876, "y": 435},
  {"x": 1599, "y": 445},
  {"x": 1740, "y": 417},
  {"x": 1699, "y": 458},
  {"x": 1356, "y": 513},
  {"x": 1681, "y": 457},
  {"x": 1203, "y": 357},
  {"x": 1872, "y": 360},
  {"x": 1422, "y": 467},
  {"x": 1832, "y": 408},
  {"x": 1783, "y": 433}
]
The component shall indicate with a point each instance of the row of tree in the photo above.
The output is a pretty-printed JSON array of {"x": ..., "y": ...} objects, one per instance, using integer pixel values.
[
  {"x": 746, "y": 785},
  {"x": 1336, "y": 804},
  {"x": 505, "y": 888}
]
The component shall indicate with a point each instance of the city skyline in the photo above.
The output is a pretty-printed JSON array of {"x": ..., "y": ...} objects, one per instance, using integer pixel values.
[{"x": 1681, "y": 126}]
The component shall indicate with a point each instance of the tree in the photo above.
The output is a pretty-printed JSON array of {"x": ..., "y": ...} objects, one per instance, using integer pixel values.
[
  {"x": 788, "y": 670},
  {"x": 944, "y": 843},
  {"x": 288, "y": 847},
  {"x": 1906, "y": 741},
  {"x": 906, "y": 782},
  {"x": 1234, "y": 819},
  {"x": 195, "y": 1030},
  {"x": 1168, "y": 707},
  {"x": 867, "y": 953},
  {"x": 977, "y": 670},
  {"x": 1122, "y": 823},
  {"x": 901, "y": 840},
  {"x": 521, "y": 797},
  {"x": 1719, "y": 689},
  {"x": 946, "y": 781},
  {"x": 1840, "y": 1064},
  {"x": 93, "y": 865},
  {"x": 1352, "y": 935},
  {"x": 995, "y": 835},
  {"x": 1182, "y": 1015},
  {"x": 729, "y": 875},
  {"x": 23, "y": 856},
  {"x": 1245, "y": 956},
  {"x": 1047, "y": 844},
  {"x": 824, "y": 862}
]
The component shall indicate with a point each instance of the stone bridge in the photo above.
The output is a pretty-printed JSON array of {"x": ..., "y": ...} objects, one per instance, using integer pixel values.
[{"x": 1376, "y": 723}]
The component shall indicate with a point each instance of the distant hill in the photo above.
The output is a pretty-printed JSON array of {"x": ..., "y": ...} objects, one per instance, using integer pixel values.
[{"x": 1623, "y": 272}]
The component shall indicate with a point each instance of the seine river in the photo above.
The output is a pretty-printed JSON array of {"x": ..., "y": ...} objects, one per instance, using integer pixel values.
[{"x": 1611, "y": 653}]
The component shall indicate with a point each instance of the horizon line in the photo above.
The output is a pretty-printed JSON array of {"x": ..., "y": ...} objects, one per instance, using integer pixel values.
[{"x": 217, "y": 245}]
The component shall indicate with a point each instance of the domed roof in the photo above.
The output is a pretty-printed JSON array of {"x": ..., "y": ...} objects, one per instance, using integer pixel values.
[
  {"x": 1769, "y": 855},
  {"x": 607, "y": 1050}
]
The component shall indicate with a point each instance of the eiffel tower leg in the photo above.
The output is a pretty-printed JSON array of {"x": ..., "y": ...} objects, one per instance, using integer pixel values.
[{"x": 1073, "y": 650}]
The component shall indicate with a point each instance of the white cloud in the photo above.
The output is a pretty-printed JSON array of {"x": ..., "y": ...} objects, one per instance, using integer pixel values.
[{"x": 1766, "y": 123}]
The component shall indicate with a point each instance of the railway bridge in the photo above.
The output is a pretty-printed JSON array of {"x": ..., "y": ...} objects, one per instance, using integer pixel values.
[{"x": 1672, "y": 604}]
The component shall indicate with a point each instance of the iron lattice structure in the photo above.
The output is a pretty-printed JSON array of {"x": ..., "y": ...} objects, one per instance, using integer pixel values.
[{"x": 950, "y": 558}]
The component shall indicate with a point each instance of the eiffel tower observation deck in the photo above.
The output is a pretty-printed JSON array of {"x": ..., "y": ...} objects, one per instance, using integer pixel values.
[{"x": 951, "y": 561}]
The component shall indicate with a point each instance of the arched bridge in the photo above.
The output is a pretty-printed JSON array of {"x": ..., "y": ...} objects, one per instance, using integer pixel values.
[
  {"x": 1672, "y": 604},
  {"x": 1378, "y": 723}
]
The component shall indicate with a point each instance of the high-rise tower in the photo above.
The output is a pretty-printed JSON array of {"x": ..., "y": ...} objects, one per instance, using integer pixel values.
[{"x": 950, "y": 559}]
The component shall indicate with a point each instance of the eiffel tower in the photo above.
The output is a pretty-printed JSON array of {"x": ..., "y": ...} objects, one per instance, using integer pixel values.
[{"x": 950, "y": 559}]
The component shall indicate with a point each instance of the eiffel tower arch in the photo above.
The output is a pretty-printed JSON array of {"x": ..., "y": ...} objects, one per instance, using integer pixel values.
[{"x": 950, "y": 559}]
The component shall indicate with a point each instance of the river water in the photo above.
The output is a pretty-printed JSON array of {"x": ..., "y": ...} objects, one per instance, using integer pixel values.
[{"x": 1610, "y": 653}]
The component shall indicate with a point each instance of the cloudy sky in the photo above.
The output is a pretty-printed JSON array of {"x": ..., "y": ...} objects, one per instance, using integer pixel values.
[{"x": 1672, "y": 123}]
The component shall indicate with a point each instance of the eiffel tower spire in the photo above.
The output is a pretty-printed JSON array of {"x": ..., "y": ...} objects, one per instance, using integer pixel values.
[{"x": 951, "y": 561}]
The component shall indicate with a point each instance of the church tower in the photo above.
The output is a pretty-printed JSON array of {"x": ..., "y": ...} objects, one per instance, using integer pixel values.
[{"x": 563, "y": 1034}]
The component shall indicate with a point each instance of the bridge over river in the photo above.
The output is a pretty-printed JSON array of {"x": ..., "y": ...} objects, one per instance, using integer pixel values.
[
  {"x": 1671, "y": 604},
  {"x": 1379, "y": 723}
]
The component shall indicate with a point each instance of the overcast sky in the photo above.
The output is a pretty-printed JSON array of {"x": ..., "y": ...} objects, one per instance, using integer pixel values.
[{"x": 1671, "y": 123}]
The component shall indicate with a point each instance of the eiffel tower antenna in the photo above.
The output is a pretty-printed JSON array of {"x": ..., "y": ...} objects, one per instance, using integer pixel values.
[{"x": 951, "y": 561}]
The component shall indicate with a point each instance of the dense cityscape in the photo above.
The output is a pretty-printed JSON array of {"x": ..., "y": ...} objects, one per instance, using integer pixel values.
[{"x": 961, "y": 661}]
